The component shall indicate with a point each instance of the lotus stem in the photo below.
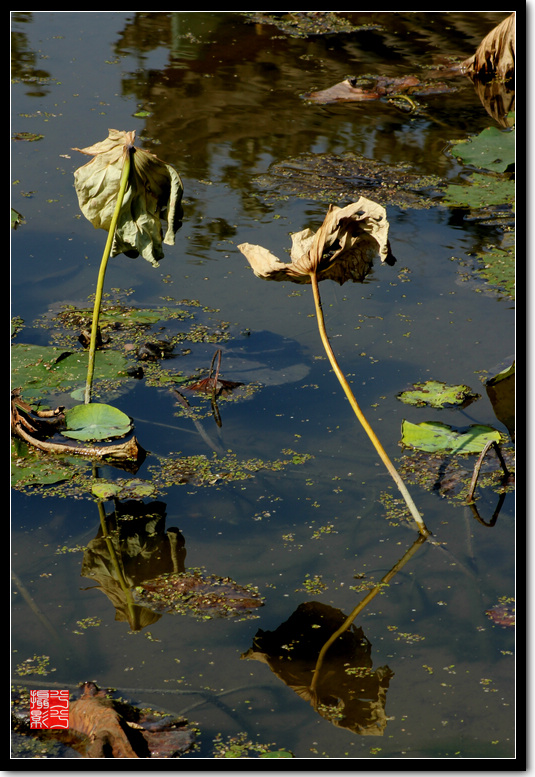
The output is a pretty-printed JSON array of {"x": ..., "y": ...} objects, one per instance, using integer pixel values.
[
  {"x": 358, "y": 412},
  {"x": 102, "y": 272}
]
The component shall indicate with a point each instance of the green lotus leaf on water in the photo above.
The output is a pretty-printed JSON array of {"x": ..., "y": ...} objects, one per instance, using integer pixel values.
[
  {"x": 44, "y": 370},
  {"x": 96, "y": 421},
  {"x": 441, "y": 438}
]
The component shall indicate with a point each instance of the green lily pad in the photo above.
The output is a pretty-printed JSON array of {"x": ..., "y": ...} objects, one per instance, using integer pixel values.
[
  {"x": 441, "y": 438},
  {"x": 41, "y": 370},
  {"x": 437, "y": 394},
  {"x": 96, "y": 421},
  {"x": 492, "y": 149}
]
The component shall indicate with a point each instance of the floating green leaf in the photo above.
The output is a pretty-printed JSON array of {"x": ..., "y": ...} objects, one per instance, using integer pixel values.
[
  {"x": 96, "y": 421},
  {"x": 441, "y": 438},
  {"x": 16, "y": 219},
  {"x": 492, "y": 149},
  {"x": 132, "y": 489},
  {"x": 105, "y": 490},
  {"x": 437, "y": 394},
  {"x": 31, "y": 469}
]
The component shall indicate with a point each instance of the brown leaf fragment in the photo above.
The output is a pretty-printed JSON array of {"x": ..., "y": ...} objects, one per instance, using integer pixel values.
[
  {"x": 119, "y": 730},
  {"x": 95, "y": 716}
]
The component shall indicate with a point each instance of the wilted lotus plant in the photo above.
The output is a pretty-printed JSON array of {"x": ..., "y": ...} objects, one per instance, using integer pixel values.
[
  {"x": 342, "y": 249},
  {"x": 127, "y": 191}
]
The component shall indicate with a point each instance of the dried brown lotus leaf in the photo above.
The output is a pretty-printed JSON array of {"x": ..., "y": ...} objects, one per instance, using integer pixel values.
[{"x": 342, "y": 249}]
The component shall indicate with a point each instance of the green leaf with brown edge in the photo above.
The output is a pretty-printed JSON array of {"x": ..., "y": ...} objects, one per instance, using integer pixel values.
[{"x": 437, "y": 394}]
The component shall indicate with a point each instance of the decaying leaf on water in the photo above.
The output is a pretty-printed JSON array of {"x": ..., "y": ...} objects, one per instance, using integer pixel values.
[
  {"x": 503, "y": 613},
  {"x": 374, "y": 87},
  {"x": 197, "y": 594},
  {"x": 436, "y": 393},
  {"x": 213, "y": 384},
  {"x": 342, "y": 249},
  {"x": 154, "y": 192}
]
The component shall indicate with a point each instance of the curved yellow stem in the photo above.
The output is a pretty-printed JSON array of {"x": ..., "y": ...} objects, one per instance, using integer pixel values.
[{"x": 358, "y": 412}]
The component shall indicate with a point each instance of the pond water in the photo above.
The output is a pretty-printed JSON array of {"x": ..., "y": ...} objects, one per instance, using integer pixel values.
[{"x": 220, "y": 97}]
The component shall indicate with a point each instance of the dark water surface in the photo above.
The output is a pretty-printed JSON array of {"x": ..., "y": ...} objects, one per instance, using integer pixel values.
[{"x": 224, "y": 97}]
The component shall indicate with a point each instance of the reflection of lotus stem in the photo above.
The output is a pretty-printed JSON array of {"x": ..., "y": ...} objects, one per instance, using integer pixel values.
[
  {"x": 358, "y": 412},
  {"x": 102, "y": 272},
  {"x": 367, "y": 599},
  {"x": 119, "y": 572}
]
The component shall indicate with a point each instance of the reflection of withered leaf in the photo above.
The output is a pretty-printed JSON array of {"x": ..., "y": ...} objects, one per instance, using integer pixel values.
[
  {"x": 111, "y": 732},
  {"x": 376, "y": 87},
  {"x": 154, "y": 192},
  {"x": 203, "y": 596},
  {"x": 349, "y": 693},
  {"x": 342, "y": 249}
]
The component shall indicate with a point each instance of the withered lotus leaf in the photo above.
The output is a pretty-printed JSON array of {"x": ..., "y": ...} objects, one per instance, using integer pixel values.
[
  {"x": 342, "y": 249},
  {"x": 154, "y": 192}
]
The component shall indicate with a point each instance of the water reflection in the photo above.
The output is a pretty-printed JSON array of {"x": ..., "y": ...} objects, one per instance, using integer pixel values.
[
  {"x": 140, "y": 566},
  {"x": 322, "y": 656},
  {"x": 350, "y": 693},
  {"x": 132, "y": 545}
]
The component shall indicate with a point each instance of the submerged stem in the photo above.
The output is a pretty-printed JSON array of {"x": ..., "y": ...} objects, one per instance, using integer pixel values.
[
  {"x": 102, "y": 272},
  {"x": 358, "y": 412}
]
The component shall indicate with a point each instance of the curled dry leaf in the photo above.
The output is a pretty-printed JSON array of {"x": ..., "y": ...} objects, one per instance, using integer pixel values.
[
  {"x": 154, "y": 192},
  {"x": 342, "y": 249},
  {"x": 495, "y": 55}
]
